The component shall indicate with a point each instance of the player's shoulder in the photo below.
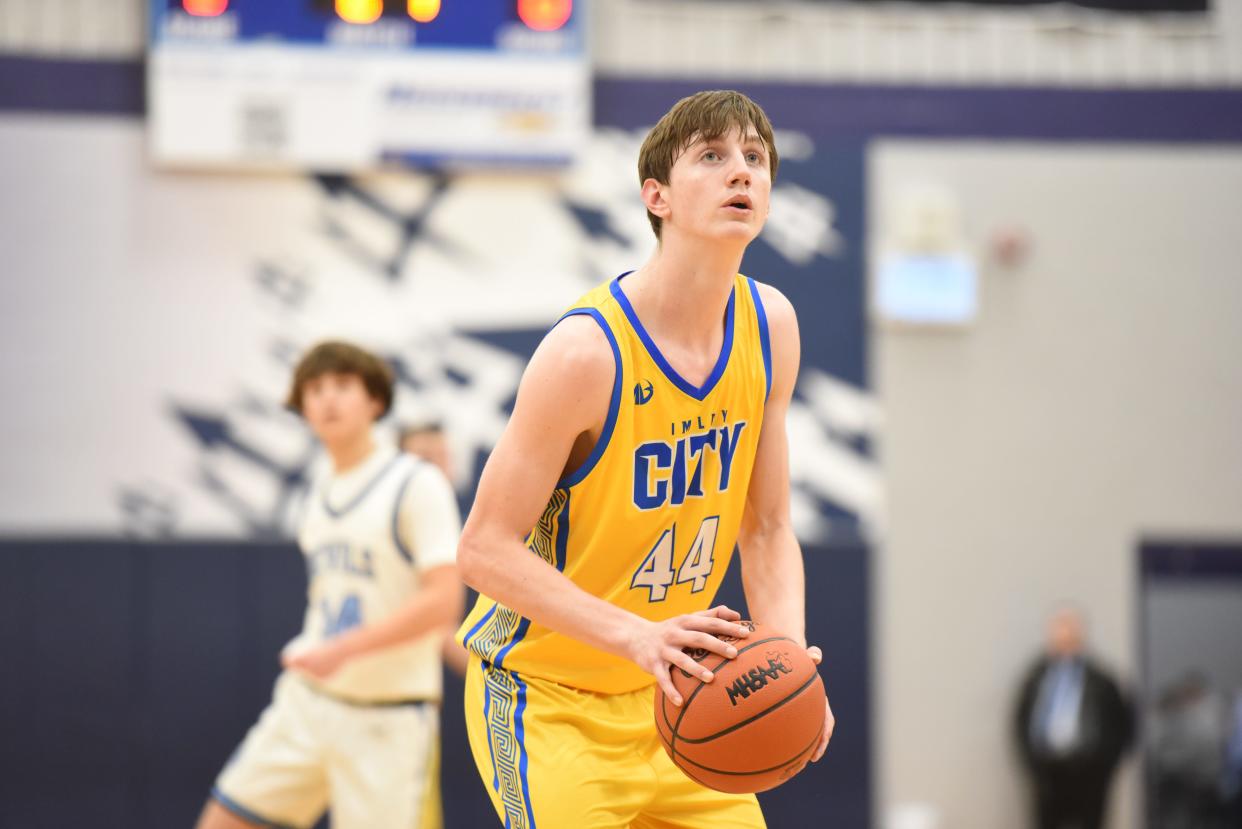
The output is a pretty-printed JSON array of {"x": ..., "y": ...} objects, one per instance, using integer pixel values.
[
  {"x": 579, "y": 346},
  {"x": 424, "y": 477},
  {"x": 782, "y": 324},
  {"x": 570, "y": 378}
]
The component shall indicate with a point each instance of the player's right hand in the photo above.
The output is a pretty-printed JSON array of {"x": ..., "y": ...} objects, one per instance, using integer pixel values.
[{"x": 658, "y": 647}]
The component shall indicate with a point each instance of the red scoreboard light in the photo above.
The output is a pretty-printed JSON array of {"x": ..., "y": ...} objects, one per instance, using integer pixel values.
[
  {"x": 545, "y": 15},
  {"x": 205, "y": 8}
]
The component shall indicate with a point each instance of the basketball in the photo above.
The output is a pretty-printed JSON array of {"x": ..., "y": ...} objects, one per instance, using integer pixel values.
[{"x": 755, "y": 725}]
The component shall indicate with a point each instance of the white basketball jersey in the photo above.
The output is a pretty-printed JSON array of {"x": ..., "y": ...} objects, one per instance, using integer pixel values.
[{"x": 363, "y": 560}]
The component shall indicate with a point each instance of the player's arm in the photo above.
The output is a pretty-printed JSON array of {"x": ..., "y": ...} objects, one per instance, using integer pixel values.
[
  {"x": 562, "y": 401},
  {"x": 429, "y": 526},
  {"x": 772, "y": 573}
]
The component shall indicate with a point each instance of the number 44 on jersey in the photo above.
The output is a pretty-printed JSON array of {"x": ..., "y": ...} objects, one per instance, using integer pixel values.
[{"x": 656, "y": 572}]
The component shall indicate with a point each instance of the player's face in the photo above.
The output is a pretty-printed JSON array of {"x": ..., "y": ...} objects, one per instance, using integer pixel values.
[
  {"x": 338, "y": 407},
  {"x": 721, "y": 188}
]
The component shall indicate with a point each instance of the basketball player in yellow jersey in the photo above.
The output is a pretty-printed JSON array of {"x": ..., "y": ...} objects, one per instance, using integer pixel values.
[{"x": 648, "y": 437}]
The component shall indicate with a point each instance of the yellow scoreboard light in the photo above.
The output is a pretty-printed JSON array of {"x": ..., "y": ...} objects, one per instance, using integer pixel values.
[
  {"x": 423, "y": 11},
  {"x": 359, "y": 11}
]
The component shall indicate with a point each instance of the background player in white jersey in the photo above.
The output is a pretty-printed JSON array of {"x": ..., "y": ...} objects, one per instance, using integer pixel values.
[{"x": 354, "y": 719}]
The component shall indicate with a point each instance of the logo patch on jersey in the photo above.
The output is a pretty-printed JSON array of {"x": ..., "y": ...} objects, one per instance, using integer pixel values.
[{"x": 643, "y": 393}]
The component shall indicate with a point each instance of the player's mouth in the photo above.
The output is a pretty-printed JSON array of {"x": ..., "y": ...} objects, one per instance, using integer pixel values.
[{"x": 739, "y": 205}]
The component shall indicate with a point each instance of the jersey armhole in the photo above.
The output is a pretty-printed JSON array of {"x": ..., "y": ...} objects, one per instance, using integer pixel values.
[
  {"x": 614, "y": 405},
  {"x": 397, "y": 540},
  {"x": 765, "y": 342}
]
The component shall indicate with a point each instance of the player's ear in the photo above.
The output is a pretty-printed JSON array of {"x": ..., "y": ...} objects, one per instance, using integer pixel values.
[{"x": 656, "y": 198}]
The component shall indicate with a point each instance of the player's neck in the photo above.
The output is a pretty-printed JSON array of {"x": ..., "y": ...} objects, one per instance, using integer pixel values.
[
  {"x": 683, "y": 290},
  {"x": 348, "y": 453}
]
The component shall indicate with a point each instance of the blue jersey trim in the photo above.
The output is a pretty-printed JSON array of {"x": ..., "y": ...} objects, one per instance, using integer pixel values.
[
  {"x": 765, "y": 342},
  {"x": 614, "y": 405},
  {"x": 465, "y": 642},
  {"x": 562, "y": 534},
  {"x": 244, "y": 813},
  {"x": 366, "y": 490},
  {"x": 521, "y": 741},
  {"x": 405, "y": 551},
  {"x": 726, "y": 348},
  {"x": 487, "y": 722},
  {"x": 518, "y": 635}
]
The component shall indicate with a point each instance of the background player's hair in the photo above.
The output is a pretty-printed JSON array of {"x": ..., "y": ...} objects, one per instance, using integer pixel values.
[
  {"x": 420, "y": 427},
  {"x": 335, "y": 356},
  {"x": 708, "y": 115}
]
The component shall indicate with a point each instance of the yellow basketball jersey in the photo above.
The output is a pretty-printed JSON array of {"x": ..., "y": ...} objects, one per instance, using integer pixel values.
[{"x": 650, "y": 520}]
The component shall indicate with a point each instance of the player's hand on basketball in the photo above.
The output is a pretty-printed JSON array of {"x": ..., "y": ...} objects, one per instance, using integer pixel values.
[
  {"x": 661, "y": 646},
  {"x": 318, "y": 661},
  {"x": 830, "y": 722}
]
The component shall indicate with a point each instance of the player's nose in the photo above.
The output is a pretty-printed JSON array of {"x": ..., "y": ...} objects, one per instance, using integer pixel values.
[{"x": 739, "y": 170}]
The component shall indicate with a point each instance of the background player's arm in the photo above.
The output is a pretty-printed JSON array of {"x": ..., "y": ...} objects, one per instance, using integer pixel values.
[
  {"x": 562, "y": 401},
  {"x": 772, "y": 573},
  {"x": 429, "y": 527}
]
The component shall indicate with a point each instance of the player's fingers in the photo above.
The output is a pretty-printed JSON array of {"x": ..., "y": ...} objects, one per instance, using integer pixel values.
[
  {"x": 682, "y": 660},
  {"x": 721, "y": 611},
  {"x": 817, "y": 656},
  {"x": 707, "y": 642},
  {"x": 715, "y": 626},
  {"x": 830, "y": 724},
  {"x": 666, "y": 685}
]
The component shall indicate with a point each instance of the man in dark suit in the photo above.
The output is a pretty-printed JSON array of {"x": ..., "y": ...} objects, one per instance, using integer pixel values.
[{"x": 1073, "y": 725}]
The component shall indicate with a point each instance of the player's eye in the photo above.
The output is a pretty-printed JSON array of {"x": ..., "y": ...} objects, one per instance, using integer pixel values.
[{"x": 711, "y": 155}]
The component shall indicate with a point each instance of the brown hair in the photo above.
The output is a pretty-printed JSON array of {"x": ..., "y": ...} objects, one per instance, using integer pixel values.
[
  {"x": 422, "y": 427},
  {"x": 336, "y": 357},
  {"x": 706, "y": 115}
]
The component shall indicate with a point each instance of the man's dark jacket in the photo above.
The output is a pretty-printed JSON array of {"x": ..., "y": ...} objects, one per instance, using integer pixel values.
[{"x": 1105, "y": 718}]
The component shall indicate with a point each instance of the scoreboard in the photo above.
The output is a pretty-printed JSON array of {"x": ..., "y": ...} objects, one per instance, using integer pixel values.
[{"x": 344, "y": 85}]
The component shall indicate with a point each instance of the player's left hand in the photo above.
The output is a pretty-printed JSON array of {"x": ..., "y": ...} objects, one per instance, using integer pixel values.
[
  {"x": 830, "y": 722},
  {"x": 318, "y": 661}
]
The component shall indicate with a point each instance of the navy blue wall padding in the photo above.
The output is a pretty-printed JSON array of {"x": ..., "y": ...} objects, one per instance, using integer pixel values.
[
  {"x": 836, "y": 791},
  {"x": 826, "y": 111},
  {"x": 85, "y": 87},
  {"x": 131, "y": 670}
]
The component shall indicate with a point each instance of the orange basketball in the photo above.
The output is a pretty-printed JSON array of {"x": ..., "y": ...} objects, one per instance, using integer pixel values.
[{"x": 755, "y": 725}]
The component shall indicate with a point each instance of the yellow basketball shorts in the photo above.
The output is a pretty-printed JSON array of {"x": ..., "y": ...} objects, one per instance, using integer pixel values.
[{"x": 555, "y": 757}]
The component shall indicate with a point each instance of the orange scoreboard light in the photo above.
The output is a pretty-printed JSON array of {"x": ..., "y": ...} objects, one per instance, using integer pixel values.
[
  {"x": 352, "y": 84},
  {"x": 545, "y": 15}
]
